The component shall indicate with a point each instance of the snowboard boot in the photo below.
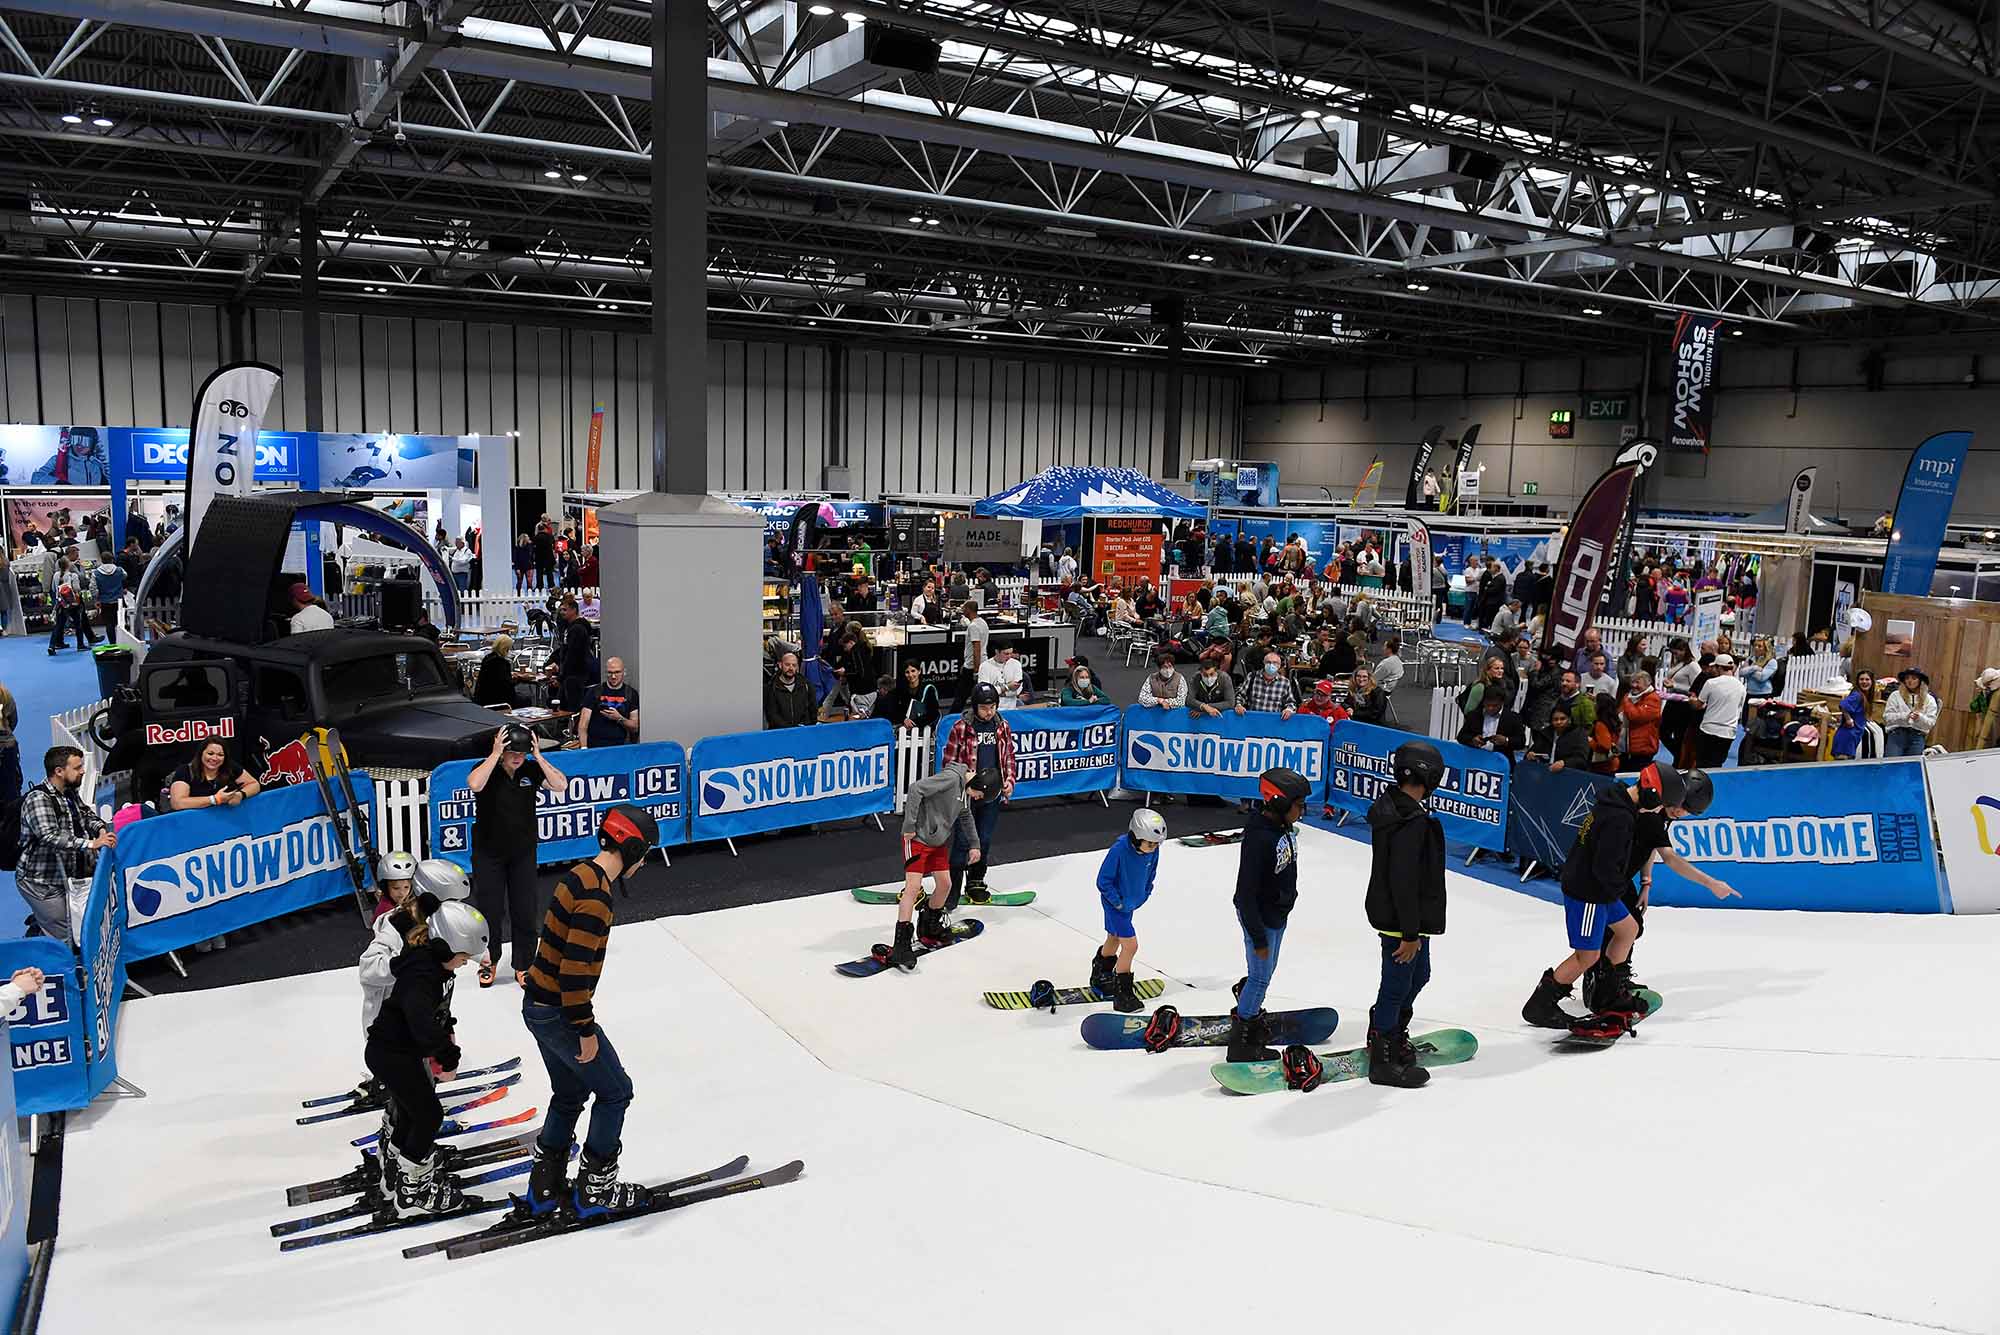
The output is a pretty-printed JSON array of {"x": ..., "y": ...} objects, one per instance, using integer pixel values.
[
  {"x": 1126, "y": 1001},
  {"x": 1591, "y": 986},
  {"x": 423, "y": 1187},
  {"x": 1615, "y": 992},
  {"x": 931, "y": 926},
  {"x": 1388, "y": 1066},
  {"x": 1101, "y": 966},
  {"x": 1543, "y": 1009},
  {"x": 1246, "y": 1039},
  {"x": 548, "y": 1180},
  {"x": 903, "y": 955},
  {"x": 598, "y": 1190}
]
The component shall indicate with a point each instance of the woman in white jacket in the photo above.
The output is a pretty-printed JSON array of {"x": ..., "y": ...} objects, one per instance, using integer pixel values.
[{"x": 1908, "y": 715}]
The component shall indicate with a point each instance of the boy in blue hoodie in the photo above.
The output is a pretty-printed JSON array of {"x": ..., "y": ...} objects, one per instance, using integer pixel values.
[{"x": 1125, "y": 881}]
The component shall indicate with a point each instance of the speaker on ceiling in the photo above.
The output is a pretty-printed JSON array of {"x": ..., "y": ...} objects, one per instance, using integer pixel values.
[{"x": 899, "y": 48}]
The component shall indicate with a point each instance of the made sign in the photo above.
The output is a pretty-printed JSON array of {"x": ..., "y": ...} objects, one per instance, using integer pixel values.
[
  {"x": 1609, "y": 409},
  {"x": 975, "y": 541}
]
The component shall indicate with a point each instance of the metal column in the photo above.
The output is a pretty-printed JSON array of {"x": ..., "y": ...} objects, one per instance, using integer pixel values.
[
  {"x": 309, "y": 316},
  {"x": 680, "y": 248},
  {"x": 1172, "y": 312}
]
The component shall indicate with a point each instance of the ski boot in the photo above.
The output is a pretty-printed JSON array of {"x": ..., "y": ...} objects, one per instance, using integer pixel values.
[
  {"x": 1100, "y": 973},
  {"x": 548, "y": 1182},
  {"x": 1247, "y": 1037},
  {"x": 368, "y": 1093},
  {"x": 1544, "y": 1009},
  {"x": 932, "y": 929},
  {"x": 423, "y": 1187},
  {"x": 1126, "y": 1001},
  {"x": 385, "y": 1161},
  {"x": 598, "y": 1190},
  {"x": 903, "y": 954},
  {"x": 1388, "y": 1063}
]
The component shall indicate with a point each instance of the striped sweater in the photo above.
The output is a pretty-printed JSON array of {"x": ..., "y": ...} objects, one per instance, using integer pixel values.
[{"x": 569, "y": 956}]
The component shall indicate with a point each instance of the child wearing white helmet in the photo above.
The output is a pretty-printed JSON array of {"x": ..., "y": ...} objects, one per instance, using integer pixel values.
[
  {"x": 1124, "y": 883},
  {"x": 403, "y": 880}
]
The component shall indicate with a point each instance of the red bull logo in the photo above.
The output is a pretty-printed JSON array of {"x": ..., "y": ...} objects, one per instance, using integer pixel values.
[{"x": 192, "y": 730}]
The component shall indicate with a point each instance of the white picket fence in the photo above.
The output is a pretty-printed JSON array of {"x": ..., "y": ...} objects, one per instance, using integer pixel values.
[
  {"x": 402, "y": 811},
  {"x": 1808, "y": 672},
  {"x": 916, "y": 757},
  {"x": 1616, "y": 630},
  {"x": 72, "y": 728}
]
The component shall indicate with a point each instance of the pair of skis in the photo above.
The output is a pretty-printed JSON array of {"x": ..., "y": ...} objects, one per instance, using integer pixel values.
[
  {"x": 351, "y": 834},
  {"x": 357, "y": 1108},
  {"x": 444, "y": 1091}
]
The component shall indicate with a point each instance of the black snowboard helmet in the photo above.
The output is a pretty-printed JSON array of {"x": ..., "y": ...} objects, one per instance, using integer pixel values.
[
  {"x": 987, "y": 783},
  {"x": 1661, "y": 786},
  {"x": 514, "y": 737},
  {"x": 1280, "y": 788},
  {"x": 1419, "y": 762},
  {"x": 1700, "y": 792},
  {"x": 631, "y": 832}
]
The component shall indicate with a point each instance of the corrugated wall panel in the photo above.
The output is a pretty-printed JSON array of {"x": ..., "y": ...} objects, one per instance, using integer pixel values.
[{"x": 142, "y": 320}]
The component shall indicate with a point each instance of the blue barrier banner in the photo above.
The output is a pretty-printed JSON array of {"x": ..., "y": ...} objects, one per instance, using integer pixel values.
[
  {"x": 191, "y": 875},
  {"x": 1072, "y": 750},
  {"x": 753, "y": 781},
  {"x": 1545, "y": 810},
  {"x": 1171, "y": 751},
  {"x": 14, "y": 1195},
  {"x": 1471, "y": 803},
  {"x": 1854, "y": 837},
  {"x": 651, "y": 774},
  {"x": 101, "y": 944},
  {"x": 46, "y": 1032},
  {"x": 1930, "y": 485}
]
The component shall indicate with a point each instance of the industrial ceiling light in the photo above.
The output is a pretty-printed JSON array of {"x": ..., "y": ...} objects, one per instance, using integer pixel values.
[
  {"x": 1593, "y": 310},
  {"x": 915, "y": 218},
  {"x": 552, "y": 174},
  {"x": 1414, "y": 286},
  {"x": 855, "y": 17},
  {"x": 102, "y": 121},
  {"x": 579, "y": 177},
  {"x": 1736, "y": 333},
  {"x": 1311, "y": 115},
  {"x": 932, "y": 221},
  {"x": 821, "y": 10},
  {"x": 72, "y": 118}
]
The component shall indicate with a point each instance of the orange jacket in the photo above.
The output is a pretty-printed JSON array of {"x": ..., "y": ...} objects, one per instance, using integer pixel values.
[{"x": 1642, "y": 719}]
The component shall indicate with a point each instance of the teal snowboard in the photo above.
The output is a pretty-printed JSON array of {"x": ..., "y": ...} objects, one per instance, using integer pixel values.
[
  {"x": 1587, "y": 1032},
  {"x": 1209, "y": 1031},
  {"x": 1441, "y": 1047},
  {"x": 1006, "y": 899}
]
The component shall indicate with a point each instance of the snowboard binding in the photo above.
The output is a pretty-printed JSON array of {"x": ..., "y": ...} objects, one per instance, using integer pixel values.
[
  {"x": 1303, "y": 1070},
  {"x": 1163, "y": 1029}
]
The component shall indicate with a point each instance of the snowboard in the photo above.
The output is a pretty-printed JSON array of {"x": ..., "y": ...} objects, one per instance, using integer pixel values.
[
  {"x": 1143, "y": 988},
  {"x": 1440, "y": 1047},
  {"x": 1211, "y": 839},
  {"x": 878, "y": 960},
  {"x": 1573, "y": 1039},
  {"x": 1006, "y": 899},
  {"x": 1210, "y": 1031}
]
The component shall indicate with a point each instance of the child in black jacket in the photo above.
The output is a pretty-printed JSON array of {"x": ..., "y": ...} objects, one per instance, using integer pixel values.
[{"x": 1405, "y": 906}]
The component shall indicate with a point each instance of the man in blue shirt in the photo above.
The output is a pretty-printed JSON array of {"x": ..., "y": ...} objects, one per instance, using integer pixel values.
[{"x": 610, "y": 712}]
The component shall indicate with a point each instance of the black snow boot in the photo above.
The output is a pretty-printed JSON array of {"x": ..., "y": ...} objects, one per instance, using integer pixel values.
[
  {"x": 1387, "y": 1064},
  {"x": 1101, "y": 966},
  {"x": 1246, "y": 1039},
  {"x": 1126, "y": 1000},
  {"x": 903, "y": 955},
  {"x": 1615, "y": 990},
  {"x": 1543, "y": 1009},
  {"x": 931, "y": 926},
  {"x": 548, "y": 1180}
]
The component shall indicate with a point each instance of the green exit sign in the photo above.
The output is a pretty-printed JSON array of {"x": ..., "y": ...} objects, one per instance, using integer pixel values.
[
  {"x": 1562, "y": 424},
  {"x": 1608, "y": 409},
  {"x": 1531, "y": 488}
]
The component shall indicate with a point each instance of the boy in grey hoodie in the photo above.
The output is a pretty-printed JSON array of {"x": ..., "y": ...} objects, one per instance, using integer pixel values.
[{"x": 935, "y": 809}]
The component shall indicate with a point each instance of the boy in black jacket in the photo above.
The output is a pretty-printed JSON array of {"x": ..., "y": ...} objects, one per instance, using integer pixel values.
[
  {"x": 1406, "y": 906},
  {"x": 1267, "y": 885}
]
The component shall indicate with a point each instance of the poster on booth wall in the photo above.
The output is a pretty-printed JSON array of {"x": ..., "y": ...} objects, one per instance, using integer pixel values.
[
  {"x": 55, "y": 456},
  {"x": 1965, "y": 799},
  {"x": 1062, "y": 750},
  {"x": 746, "y": 783},
  {"x": 1471, "y": 803},
  {"x": 1126, "y": 549},
  {"x": 26, "y": 508},
  {"x": 1171, "y": 751},
  {"x": 651, "y": 774},
  {"x": 392, "y": 462}
]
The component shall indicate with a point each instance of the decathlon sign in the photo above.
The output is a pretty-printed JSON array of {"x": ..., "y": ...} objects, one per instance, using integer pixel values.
[
  {"x": 747, "y": 782},
  {"x": 1170, "y": 751},
  {"x": 191, "y": 875},
  {"x": 652, "y": 775},
  {"x": 162, "y": 455}
]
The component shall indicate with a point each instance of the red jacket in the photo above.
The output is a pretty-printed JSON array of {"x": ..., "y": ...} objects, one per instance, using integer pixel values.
[
  {"x": 1642, "y": 720},
  {"x": 960, "y": 747}
]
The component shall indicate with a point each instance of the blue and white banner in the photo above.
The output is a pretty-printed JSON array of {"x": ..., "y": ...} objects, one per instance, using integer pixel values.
[
  {"x": 1471, "y": 803},
  {"x": 754, "y": 781},
  {"x": 1171, "y": 751},
  {"x": 160, "y": 454},
  {"x": 1854, "y": 837},
  {"x": 1930, "y": 485},
  {"x": 100, "y": 945},
  {"x": 651, "y": 774},
  {"x": 46, "y": 1032},
  {"x": 190, "y": 875},
  {"x": 1072, "y": 750},
  {"x": 14, "y": 1196},
  {"x": 1546, "y": 809}
]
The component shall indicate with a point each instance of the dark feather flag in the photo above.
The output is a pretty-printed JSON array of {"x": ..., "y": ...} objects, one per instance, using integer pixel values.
[
  {"x": 1590, "y": 548},
  {"x": 1413, "y": 495}
]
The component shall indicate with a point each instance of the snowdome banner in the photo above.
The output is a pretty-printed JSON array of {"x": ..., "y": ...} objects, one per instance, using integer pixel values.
[
  {"x": 63, "y": 1037},
  {"x": 652, "y": 774},
  {"x": 748, "y": 782},
  {"x": 1063, "y": 750},
  {"x": 1471, "y": 803},
  {"x": 1171, "y": 751}
]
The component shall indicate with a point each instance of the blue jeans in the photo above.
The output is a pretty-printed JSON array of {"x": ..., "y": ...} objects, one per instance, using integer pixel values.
[
  {"x": 602, "y": 1080},
  {"x": 985, "y": 819},
  {"x": 1260, "y": 971},
  {"x": 1903, "y": 742},
  {"x": 1400, "y": 985}
]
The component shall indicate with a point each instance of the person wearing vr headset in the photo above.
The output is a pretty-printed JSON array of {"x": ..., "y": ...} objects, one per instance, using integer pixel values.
[
  {"x": 1267, "y": 885},
  {"x": 1124, "y": 884},
  {"x": 1618, "y": 841},
  {"x": 1405, "y": 905}
]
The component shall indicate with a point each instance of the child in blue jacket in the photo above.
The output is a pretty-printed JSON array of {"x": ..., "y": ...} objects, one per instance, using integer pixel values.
[{"x": 1125, "y": 881}]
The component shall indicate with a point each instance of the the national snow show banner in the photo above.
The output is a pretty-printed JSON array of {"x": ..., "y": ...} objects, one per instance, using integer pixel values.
[
  {"x": 1471, "y": 803},
  {"x": 1056, "y": 751}
]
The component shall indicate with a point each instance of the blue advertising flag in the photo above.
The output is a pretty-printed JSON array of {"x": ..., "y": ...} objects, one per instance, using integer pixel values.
[
  {"x": 1063, "y": 750},
  {"x": 1546, "y": 809},
  {"x": 45, "y": 1034},
  {"x": 1471, "y": 803},
  {"x": 651, "y": 774},
  {"x": 1854, "y": 837},
  {"x": 14, "y": 1195},
  {"x": 1930, "y": 485},
  {"x": 1171, "y": 751},
  {"x": 100, "y": 944},
  {"x": 748, "y": 782},
  {"x": 191, "y": 875}
]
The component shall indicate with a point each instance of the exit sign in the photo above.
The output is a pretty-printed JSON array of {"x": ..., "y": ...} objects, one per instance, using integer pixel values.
[
  {"x": 1608, "y": 409},
  {"x": 1562, "y": 424},
  {"x": 1531, "y": 488}
]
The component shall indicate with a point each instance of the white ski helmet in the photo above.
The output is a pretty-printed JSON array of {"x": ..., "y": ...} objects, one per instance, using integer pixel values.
[
  {"x": 1149, "y": 825},
  {"x": 462, "y": 927},
  {"x": 396, "y": 867},
  {"x": 444, "y": 879}
]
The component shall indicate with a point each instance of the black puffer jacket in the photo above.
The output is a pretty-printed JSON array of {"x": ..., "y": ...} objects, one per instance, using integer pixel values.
[{"x": 1406, "y": 880}]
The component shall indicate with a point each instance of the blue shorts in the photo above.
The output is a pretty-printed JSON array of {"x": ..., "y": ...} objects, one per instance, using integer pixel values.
[
  {"x": 1587, "y": 922},
  {"x": 1117, "y": 922}
]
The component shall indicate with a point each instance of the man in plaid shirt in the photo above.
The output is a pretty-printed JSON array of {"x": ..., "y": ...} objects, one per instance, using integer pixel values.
[
  {"x": 60, "y": 836},
  {"x": 980, "y": 740},
  {"x": 1269, "y": 691}
]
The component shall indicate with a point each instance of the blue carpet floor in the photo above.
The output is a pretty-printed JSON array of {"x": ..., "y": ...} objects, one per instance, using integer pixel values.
[{"x": 42, "y": 685}]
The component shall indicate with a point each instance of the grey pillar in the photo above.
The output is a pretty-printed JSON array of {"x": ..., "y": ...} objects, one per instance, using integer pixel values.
[
  {"x": 680, "y": 248},
  {"x": 238, "y": 345},
  {"x": 1175, "y": 311},
  {"x": 309, "y": 316}
]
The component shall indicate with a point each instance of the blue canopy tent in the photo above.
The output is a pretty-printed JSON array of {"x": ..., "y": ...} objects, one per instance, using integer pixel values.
[{"x": 1066, "y": 493}]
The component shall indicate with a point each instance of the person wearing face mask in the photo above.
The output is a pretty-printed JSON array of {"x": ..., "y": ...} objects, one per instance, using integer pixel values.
[
  {"x": 1212, "y": 693},
  {"x": 1082, "y": 689},
  {"x": 1269, "y": 690},
  {"x": 1165, "y": 688}
]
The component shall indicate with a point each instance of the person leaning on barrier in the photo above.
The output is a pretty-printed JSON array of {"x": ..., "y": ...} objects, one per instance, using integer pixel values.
[
  {"x": 610, "y": 712},
  {"x": 60, "y": 840},
  {"x": 788, "y": 696},
  {"x": 910, "y": 704}
]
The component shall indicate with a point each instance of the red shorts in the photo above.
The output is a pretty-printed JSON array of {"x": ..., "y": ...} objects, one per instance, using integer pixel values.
[{"x": 925, "y": 860}]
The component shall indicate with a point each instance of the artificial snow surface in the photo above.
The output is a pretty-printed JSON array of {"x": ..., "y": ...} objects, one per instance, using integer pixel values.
[{"x": 1801, "y": 1141}]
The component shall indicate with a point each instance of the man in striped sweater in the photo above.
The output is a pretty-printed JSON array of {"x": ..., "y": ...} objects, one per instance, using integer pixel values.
[{"x": 582, "y": 1064}]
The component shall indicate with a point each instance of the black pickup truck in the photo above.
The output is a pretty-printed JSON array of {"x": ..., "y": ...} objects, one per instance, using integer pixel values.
[{"x": 395, "y": 700}]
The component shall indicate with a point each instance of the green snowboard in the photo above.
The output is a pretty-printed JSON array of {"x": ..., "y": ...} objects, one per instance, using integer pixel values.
[
  {"x": 1006, "y": 899},
  {"x": 1441, "y": 1047}
]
